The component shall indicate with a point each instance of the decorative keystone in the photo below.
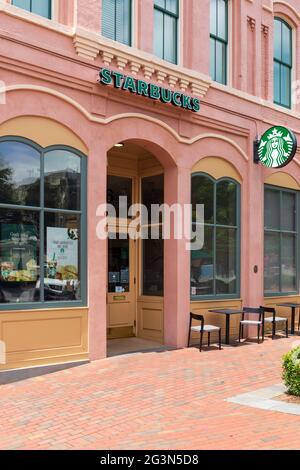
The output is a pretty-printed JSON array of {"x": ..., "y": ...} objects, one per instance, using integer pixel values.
[
  {"x": 107, "y": 58},
  {"x": 172, "y": 80},
  {"x": 85, "y": 45},
  {"x": 148, "y": 71},
  {"x": 161, "y": 76},
  {"x": 265, "y": 29},
  {"x": 251, "y": 22},
  {"x": 199, "y": 89},
  {"x": 121, "y": 62},
  {"x": 183, "y": 84},
  {"x": 135, "y": 67}
]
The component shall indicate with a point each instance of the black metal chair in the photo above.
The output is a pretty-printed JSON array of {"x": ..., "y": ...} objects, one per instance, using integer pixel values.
[
  {"x": 202, "y": 328},
  {"x": 259, "y": 323},
  {"x": 274, "y": 320}
]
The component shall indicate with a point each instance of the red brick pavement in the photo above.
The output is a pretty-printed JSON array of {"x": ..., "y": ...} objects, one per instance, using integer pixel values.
[{"x": 168, "y": 400}]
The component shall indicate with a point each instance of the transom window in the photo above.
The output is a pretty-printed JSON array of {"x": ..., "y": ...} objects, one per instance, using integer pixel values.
[
  {"x": 166, "y": 15},
  {"x": 42, "y": 225},
  {"x": 218, "y": 40},
  {"x": 283, "y": 63},
  {"x": 39, "y": 7},
  {"x": 215, "y": 268},
  {"x": 281, "y": 241},
  {"x": 116, "y": 20}
]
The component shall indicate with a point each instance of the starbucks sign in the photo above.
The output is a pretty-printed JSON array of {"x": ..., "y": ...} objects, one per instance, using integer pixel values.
[{"x": 277, "y": 147}]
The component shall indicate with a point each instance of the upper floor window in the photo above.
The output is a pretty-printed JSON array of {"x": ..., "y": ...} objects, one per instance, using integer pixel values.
[
  {"x": 116, "y": 20},
  {"x": 42, "y": 225},
  {"x": 39, "y": 7},
  {"x": 282, "y": 63},
  {"x": 166, "y": 15},
  {"x": 215, "y": 267},
  {"x": 218, "y": 40}
]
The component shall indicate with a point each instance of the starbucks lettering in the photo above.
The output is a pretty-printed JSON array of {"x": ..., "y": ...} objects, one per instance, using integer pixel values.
[{"x": 149, "y": 90}]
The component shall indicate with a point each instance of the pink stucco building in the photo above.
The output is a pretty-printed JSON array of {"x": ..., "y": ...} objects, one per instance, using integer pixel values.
[{"x": 63, "y": 290}]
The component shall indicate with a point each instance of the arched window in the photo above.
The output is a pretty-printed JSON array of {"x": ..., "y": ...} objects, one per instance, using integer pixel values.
[
  {"x": 215, "y": 267},
  {"x": 116, "y": 20},
  {"x": 42, "y": 225},
  {"x": 218, "y": 40},
  {"x": 39, "y": 7},
  {"x": 283, "y": 62}
]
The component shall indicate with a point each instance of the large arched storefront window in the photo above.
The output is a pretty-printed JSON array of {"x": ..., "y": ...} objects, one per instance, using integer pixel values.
[
  {"x": 42, "y": 225},
  {"x": 215, "y": 268}
]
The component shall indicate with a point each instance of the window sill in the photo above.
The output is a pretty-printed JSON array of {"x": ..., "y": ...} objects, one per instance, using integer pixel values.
[
  {"x": 208, "y": 298},
  {"x": 255, "y": 99},
  {"x": 282, "y": 294},
  {"x": 38, "y": 20},
  {"x": 4, "y": 308}
]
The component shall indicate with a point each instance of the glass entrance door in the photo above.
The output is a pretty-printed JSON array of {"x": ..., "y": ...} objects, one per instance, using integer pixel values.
[
  {"x": 121, "y": 283},
  {"x": 121, "y": 275}
]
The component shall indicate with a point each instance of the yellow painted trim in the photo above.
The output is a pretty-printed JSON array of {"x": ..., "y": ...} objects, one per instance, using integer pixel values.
[
  {"x": 117, "y": 117},
  {"x": 282, "y": 180},
  {"x": 41, "y": 310},
  {"x": 43, "y": 131},
  {"x": 217, "y": 168}
]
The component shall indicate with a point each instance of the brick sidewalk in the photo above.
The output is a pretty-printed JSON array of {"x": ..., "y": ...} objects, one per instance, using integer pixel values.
[{"x": 168, "y": 400}]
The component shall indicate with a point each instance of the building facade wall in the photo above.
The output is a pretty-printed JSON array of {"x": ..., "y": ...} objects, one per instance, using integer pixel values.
[{"x": 50, "y": 70}]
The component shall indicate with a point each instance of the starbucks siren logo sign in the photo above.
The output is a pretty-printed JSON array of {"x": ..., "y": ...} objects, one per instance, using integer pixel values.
[{"x": 277, "y": 147}]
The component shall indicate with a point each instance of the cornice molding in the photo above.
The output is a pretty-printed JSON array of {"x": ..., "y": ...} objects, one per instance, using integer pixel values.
[{"x": 89, "y": 46}]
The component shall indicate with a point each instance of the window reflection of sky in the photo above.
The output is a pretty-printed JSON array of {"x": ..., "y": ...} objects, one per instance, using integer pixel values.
[
  {"x": 11, "y": 153},
  {"x": 61, "y": 160}
]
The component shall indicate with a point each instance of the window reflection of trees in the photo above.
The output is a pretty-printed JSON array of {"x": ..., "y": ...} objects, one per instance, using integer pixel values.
[{"x": 214, "y": 269}]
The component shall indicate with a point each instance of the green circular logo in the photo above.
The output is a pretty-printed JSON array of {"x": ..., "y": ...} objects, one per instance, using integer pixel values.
[{"x": 277, "y": 147}]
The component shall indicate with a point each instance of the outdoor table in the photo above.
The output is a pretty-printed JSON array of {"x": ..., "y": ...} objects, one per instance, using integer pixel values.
[
  {"x": 228, "y": 313},
  {"x": 294, "y": 308}
]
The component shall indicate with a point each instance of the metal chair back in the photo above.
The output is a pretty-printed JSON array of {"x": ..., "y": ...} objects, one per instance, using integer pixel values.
[
  {"x": 269, "y": 310},
  {"x": 198, "y": 317},
  {"x": 254, "y": 311}
]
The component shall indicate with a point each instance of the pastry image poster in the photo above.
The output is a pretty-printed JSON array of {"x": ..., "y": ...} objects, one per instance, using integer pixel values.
[
  {"x": 62, "y": 253},
  {"x": 18, "y": 254}
]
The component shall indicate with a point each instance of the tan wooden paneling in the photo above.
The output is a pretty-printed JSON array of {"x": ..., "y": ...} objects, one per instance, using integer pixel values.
[
  {"x": 151, "y": 319},
  {"x": 44, "y": 336},
  {"x": 121, "y": 314}
]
